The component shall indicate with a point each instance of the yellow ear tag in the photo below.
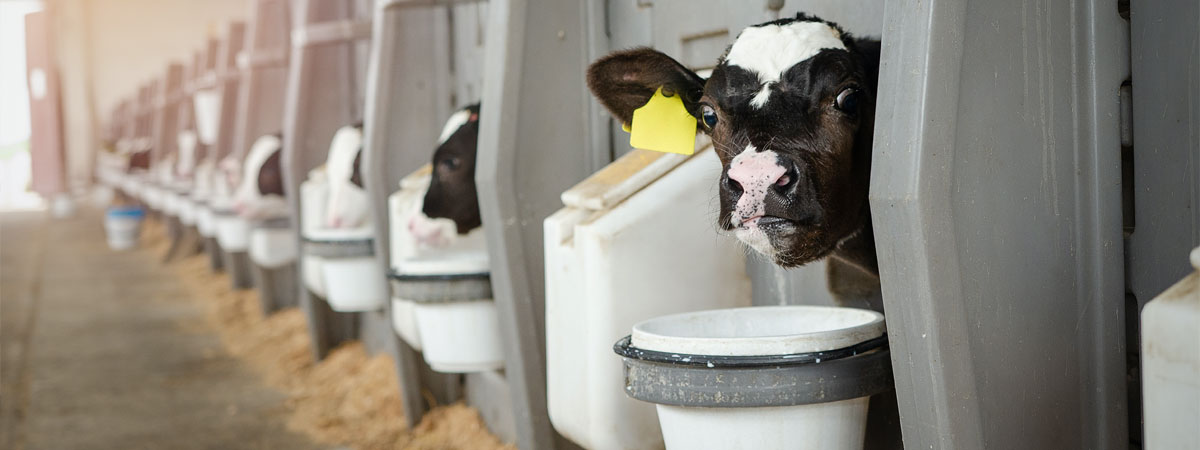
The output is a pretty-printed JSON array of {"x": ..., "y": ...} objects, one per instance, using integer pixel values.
[{"x": 663, "y": 125}]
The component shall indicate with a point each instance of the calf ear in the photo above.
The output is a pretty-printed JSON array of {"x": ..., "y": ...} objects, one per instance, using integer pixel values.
[{"x": 625, "y": 80}]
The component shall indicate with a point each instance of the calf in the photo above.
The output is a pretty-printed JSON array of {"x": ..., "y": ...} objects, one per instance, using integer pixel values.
[
  {"x": 259, "y": 192},
  {"x": 348, "y": 201},
  {"x": 450, "y": 207},
  {"x": 790, "y": 108}
]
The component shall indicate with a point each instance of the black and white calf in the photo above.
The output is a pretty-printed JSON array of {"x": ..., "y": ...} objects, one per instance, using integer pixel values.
[
  {"x": 790, "y": 108},
  {"x": 348, "y": 201},
  {"x": 259, "y": 192},
  {"x": 451, "y": 205}
]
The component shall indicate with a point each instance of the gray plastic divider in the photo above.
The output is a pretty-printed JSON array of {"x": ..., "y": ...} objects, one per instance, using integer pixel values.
[
  {"x": 996, "y": 203},
  {"x": 404, "y": 115},
  {"x": 325, "y": 92},
  {"x": 258, "y": 97}
]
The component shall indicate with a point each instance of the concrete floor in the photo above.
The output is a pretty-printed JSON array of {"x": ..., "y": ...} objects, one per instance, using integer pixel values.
[{"x": 102, "y": 350}]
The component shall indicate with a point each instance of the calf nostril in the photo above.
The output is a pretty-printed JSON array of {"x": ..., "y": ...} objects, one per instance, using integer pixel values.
[
  {"x": 732, "y": 185},
  {"x": 786, "y": 181}
]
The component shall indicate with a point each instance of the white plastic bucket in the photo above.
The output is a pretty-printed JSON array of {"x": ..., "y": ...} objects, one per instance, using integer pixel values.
[
  {"x": 122, "y": 226},
  {"x": 762, "y": 331},
  {"x": 354, "y": 284},
  {"x": 187, "y": 210},
  {"x": 233, "y": 233},
  {"x": 404, "y": 321},
  {"x": 273, "y": 247},
  {"x": 206, "y": 221},
  {"x": 460, "y": 336},
  {"x": 314, "y": 278}
]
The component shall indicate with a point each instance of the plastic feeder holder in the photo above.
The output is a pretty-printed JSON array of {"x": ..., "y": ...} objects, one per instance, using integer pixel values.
[
  {"x": 233, "y": 235},
  {"x": 123, "y": 226},
  {"x": 273, "y": 250},
  {"x": 344, "y": 267},
  {"x": 456, "y": 320},
  {"x": 771, "y": 377}
]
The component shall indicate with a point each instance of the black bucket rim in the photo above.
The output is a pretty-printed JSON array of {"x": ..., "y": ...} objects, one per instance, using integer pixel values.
[{"x": 624, "y": 348}]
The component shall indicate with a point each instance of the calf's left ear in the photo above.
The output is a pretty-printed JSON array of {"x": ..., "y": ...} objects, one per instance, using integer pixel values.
[{"x": 625, "y": 80}]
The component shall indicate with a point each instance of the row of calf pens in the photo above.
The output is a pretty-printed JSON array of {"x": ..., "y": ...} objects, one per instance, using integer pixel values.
[{"x": 576, "y": 290}]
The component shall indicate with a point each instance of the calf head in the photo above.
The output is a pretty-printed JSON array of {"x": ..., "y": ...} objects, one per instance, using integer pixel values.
[
  {"x": 790, "y": 109},
  {"x": 259, "y": 193},
  {"x": 348, "y": 201},
  {"x": 451, "y": 205}
]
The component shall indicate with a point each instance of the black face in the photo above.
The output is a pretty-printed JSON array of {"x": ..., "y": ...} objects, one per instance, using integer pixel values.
[
  {"x": 452, "y": 192},
  {"x": 796, "y": 166},
  {"x": 270, "y": 175}
]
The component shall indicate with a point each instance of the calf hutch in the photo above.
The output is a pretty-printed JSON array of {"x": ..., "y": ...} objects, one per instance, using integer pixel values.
[{"x": 686, "y": 224}]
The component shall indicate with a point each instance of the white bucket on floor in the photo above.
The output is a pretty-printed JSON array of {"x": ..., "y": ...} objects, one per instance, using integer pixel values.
[
  {"x": 762, "y": 331},
  {"x": 354, "y": 284},
  {"x": 123, "y": 226},
  {"x": 460, "y": 336},
  {"x": 273, "y": 247},
  {"x": 233, "y": 233}
]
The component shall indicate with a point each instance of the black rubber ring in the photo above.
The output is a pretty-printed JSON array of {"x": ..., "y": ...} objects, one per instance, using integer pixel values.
[{"x": 625, "y": 348}]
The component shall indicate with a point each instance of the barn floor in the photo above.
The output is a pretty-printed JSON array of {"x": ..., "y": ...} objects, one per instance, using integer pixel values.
[{"x": 97, "y": 352}]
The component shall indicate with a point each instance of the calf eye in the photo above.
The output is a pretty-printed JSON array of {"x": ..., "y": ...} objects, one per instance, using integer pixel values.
[
  {"x": 451, "y": 163},
  {"x": 709, "y": 116},
  {"x": 847, "y": 100}
]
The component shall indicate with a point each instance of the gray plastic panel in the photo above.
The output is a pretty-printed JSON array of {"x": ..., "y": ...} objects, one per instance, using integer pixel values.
[
  {"x": 325, "y": 81},
  {"x": 1166, "y": 142},
  {"x": 166, "y": 120},
  {"x": 997, "y": 211},
  {"x": 438, "y": 47},
  {"x": 260, "y": 95}
]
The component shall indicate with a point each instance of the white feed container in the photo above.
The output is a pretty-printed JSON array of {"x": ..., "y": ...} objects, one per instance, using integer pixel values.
[
  {"x": 233, "y": 232},
  {"x": 402, "y": 206},
  {"x": 459, "y": 337},
  {"x": 272, "y": 247},
  {"x": 187, "y": 210},
  {"x": 122, "y": 225},
  {"x": 206, "y": 222},
  {"x": 350, "y": 279},
  {"x": 354, "y": 284},
  {"x": 404, "y": 321},
  {"x": 456, "y": 319},
  {"x": 762, "y": 332},
  {"x": 1171, "y": 364},
  {"x": 600, "y": 280}
]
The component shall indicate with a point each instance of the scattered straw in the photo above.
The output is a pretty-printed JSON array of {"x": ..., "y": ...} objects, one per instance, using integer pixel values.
[{"x": 349, "y": 399}]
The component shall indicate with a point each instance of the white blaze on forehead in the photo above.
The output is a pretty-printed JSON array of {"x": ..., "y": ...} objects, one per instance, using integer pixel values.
[
  {"x": 771, "y": 50},
  {"x": 456, "y": 121},
  {"x": 348, "y": 204}
]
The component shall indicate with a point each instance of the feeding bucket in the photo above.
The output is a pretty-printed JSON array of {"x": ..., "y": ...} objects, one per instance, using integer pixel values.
[
  {"x": 344, "y": 263},
  {"x": 456, "y": 319},
  {"x": 122, "y": 224},
  {"x": 233, "y": 236},
  {"x": 208, "y": 112},
  {"x": 273, "y": 249},
  {"x": 772, "y": 377}
]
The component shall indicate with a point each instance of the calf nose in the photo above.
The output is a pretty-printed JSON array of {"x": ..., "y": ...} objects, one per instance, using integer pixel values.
[
  {"x": 753, "y": 177},
  {"x": 755, "y": 172}
]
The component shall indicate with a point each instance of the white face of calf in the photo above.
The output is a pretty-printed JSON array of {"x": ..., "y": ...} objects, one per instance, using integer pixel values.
[
  {"x": 450, "y": 207},
  {"x": 790, "y": 110},
  {"x": 348, "y": 202},
  {"x": 259, "y": 193},
  {"x": 187, "y": 154}
]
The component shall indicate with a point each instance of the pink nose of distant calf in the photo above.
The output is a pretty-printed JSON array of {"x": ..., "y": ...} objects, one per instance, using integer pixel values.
[{"x": 755, "y": 172}]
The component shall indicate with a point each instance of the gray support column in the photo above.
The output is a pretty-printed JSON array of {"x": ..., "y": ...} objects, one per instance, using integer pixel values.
[
  {"x": 532, "y": 146},
  {"x": 998, "y": 220},
  {"x": 401, "y": 127}
]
